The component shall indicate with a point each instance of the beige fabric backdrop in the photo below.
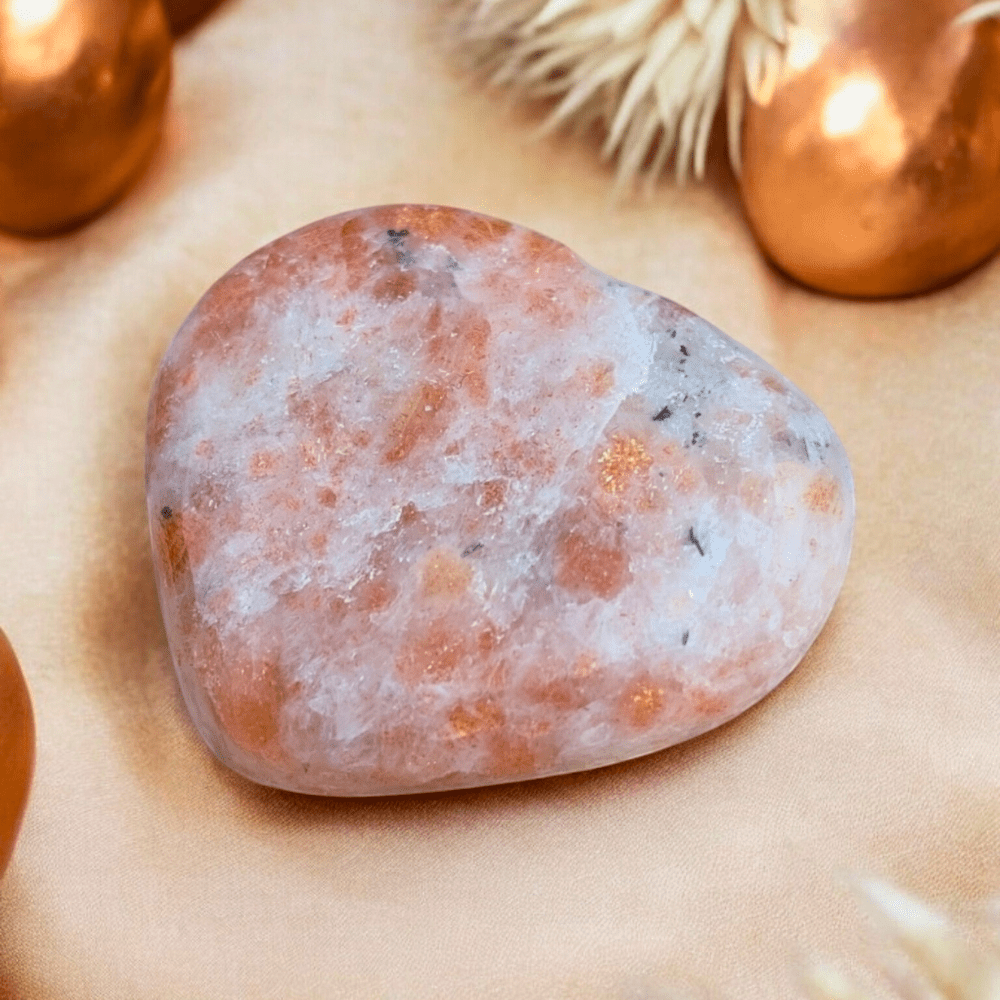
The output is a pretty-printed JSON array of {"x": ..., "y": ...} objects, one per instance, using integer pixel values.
[{"x": 146, "y": 871}]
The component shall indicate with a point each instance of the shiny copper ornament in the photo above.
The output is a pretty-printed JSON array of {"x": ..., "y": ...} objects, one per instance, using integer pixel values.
[
  {"x": 183, "y": 15},
  {"x": 871, "y": 164},
  {"x": 82, "y": 89},
  {"x": 17, "y": 749}
]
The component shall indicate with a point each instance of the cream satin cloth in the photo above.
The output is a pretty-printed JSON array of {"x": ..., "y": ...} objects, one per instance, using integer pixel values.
[{"x": 146, "y": 871}]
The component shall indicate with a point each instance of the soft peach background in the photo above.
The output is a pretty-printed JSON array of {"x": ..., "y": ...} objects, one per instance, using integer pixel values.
[{"x": 146, "y": 871}]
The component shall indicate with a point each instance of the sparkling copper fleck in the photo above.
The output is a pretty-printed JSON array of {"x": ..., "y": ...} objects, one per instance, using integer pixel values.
[{"x": 619, "y": 462}]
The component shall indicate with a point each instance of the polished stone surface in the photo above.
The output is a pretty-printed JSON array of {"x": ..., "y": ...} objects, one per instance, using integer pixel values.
[{"x": 435, "y": 504}]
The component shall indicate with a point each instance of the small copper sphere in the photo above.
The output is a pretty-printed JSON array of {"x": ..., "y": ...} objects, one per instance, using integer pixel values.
[
  {"x": 183, "y": 15},
  {"x": 17, "y": 749},
  {"x": 83, "y": 84},
  {"x": 871, "y": 164}
]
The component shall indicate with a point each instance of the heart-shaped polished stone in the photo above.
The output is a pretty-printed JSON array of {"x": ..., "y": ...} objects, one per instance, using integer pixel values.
[{"x": 435, "y": 504}]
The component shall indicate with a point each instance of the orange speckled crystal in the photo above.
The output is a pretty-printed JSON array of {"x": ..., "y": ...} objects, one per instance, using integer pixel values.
[
  {"x": 17, "y": 749},
  {"x": 435, "y": 504}
]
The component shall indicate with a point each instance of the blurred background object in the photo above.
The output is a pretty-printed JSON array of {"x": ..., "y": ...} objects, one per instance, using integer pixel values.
[
  {"x": 183, "y": 15},
  {"x": 938, "y": 950},
  {"x": 83, "y": 84},
  {"x": 870, "y": 163},
  {"x": 649, "y": 74},
  {"x": 17, "y": 749}
]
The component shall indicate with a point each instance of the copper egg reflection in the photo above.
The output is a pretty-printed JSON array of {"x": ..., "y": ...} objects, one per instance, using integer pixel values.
[
  {"x": 871, "y": 164},
  {"x": 17, "y": 749},
  {"x": 83, "y": 85}
]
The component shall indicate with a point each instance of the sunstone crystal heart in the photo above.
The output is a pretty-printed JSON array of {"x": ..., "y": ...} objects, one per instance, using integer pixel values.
[{"x": 435, "y": 504}]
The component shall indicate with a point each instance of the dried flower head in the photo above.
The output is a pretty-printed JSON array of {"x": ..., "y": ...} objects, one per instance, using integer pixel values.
[{"x": 937, "y": 951}]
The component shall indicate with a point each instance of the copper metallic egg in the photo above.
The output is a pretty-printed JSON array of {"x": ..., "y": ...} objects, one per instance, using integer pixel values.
[
  {"x": 871, "y": 164},
  {"x": 183, "y": 15},
  {"x": 83, "y": 85},
  {"x": 17, "y": 749}
]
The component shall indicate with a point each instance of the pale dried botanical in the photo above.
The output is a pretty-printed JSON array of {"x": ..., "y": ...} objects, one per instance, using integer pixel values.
[
  {"x": 979, "y": 11},
  {"x": 936, "y": 949}
]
